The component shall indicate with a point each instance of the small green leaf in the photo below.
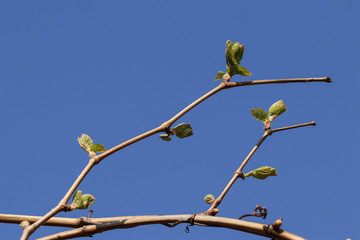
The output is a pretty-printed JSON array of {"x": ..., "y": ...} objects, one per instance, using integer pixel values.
[
  {"x": 262, "y": 172},
  {"x": 260, "y": 114},
  {"x": 77, "y": 196},
  {"x": 165, "y": 137},
  {"x": 85, "y": 142},
  {"x": 238, "y": 51},
  {"x": 277, "y": 109},
  {"x": 97, "y": 148},
  {"x": 76, "y": 202},
  {"x": 82, "y": 201},
  {"x": 229, "y": 55},
  {"x": 209, "y": 199},
  {"x": 87, "y": 201},
  {"x": 219, "y": 75},
  {"x": 183, "y": 130},
  {"x": 235, "y": 69}
]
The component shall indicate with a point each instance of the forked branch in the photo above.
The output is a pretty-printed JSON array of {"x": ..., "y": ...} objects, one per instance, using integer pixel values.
[{"x": 239, "y": 173}]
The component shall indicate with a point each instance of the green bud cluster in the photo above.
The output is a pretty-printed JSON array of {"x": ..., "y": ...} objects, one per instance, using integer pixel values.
[
  {"x": 275, "y": 110},
  {"x": 234, "y": 52},
  {"x": 82, "y": 201},
  {"x": 87, "y": 144}
]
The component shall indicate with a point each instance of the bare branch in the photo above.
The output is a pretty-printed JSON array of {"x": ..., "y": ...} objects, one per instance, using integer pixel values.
[{"x": 275, "y": 81}]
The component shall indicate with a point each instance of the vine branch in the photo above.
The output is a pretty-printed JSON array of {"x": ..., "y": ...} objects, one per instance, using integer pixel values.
[
  {"x": 106, "y": 224},
  {"x": 162, "y": 128}
]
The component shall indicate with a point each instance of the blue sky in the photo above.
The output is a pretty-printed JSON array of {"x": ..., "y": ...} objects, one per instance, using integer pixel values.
[{"x": 114, "y": 69}]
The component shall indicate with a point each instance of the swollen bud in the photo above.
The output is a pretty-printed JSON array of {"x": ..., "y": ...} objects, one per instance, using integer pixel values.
[
  {"x": 276, "y": 110},
  {"x": 262, "y": 172},
  {"x": 277, "y": 224},
  {"x": 215, "y": 211},
  {"x": 209, "y": 199}
]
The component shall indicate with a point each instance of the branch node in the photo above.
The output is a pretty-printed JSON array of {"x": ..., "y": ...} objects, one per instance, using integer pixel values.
[{"x": 24, "y": 224}]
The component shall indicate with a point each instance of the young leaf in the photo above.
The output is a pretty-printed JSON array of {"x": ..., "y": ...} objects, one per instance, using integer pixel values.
[
  {"x": 209, "y": 199},
  {"x": 277, "y": 109},
  {"x": 238, "y": 51},
  {"x": 229, "y": 55},
  {"x": 183, "y": 130},
  {"x": 85, "y": 142},
  {"x": 260, "y": 114},
  {"x": 82, "y": 201},
  {"x": 76, "y": 199},
  {"x": 86, "y": 201},
  {"x": 262, "y": 172},
  {"x": 219, "y": 75},
  {"x": 235, "y": 69},
  {"x": 97, "y": 148},
  {"x": 165, "y": 137}
]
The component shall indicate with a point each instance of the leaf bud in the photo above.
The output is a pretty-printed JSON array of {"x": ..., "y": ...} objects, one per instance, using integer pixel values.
[
  {"x": 262, "y": 172},
  {"x": 209, "y": 199}
]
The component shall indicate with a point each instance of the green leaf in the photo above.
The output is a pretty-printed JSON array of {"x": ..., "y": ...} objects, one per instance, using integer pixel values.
[
  {"x": 76, "y": 202},
  {"x": 209, "y": 199},
  {"x": 238, "y": 51},
  {"x": 235, "y": 69},
  {"x": 229, "y": 55},
  {"x": 260, "y": 114},
  {"x": 219, "y": 75},
  {"x": 183, "y": 130},
  {"x": 262, "y": 172},
  {"x": 77, "y": 197},
  {"x": 165, "y": 137},
  {"x": 85, "y": 142},
  {"x": 277, "y": 109},
  {"x": 97, "y": 148},
  {"x": 86, "y": 201}
]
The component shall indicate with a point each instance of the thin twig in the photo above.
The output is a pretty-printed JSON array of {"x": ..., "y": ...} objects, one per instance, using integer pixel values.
[
  {"x": 162, "y": 128},
  {"x": 238, "y": 172}
]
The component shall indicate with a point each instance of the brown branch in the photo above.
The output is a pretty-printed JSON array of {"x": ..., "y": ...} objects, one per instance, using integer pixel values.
[
  {"x": 162, "y": 128},
  {"x": 272, "y": 81},
  {"x": 238, "y": 172},
  {"x": 134, "y": 221}
]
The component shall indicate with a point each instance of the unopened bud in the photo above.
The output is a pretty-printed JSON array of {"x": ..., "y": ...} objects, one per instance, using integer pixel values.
[
  {"x": 215, "y": 211},
  {"x": 277, "y": 224}
]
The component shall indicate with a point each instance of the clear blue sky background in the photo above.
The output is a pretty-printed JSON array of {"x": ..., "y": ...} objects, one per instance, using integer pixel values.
[{"x": 114, "y": 69}]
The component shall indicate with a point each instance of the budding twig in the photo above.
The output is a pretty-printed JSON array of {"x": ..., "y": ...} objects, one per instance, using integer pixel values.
[{"x": 239, "y": 173}]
